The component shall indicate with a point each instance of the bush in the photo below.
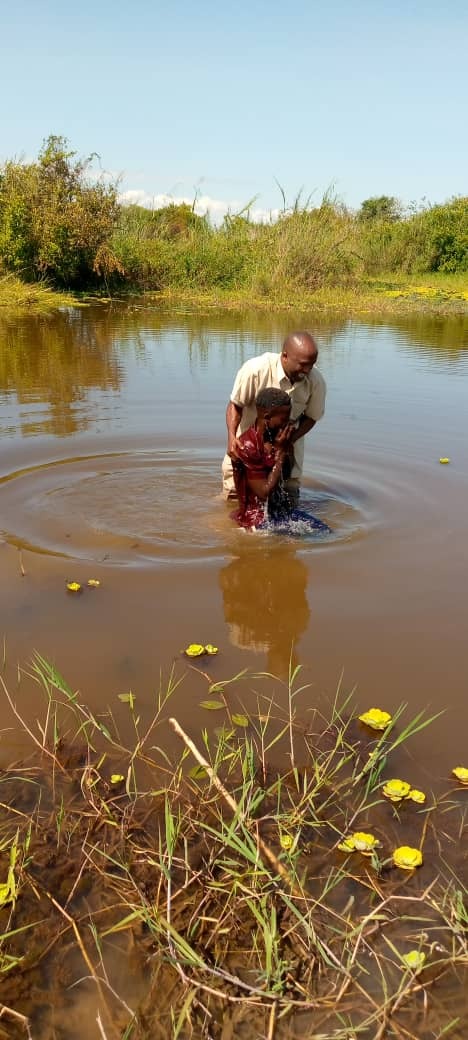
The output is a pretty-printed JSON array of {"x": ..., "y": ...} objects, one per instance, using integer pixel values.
[{"x": 54, "y": 223}]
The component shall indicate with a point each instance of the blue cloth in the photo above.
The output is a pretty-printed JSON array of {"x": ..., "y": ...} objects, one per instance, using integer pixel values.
[{"x": 298, "y": 523}]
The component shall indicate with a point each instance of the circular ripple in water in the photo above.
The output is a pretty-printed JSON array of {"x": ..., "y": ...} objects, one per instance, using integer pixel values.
[{"x": 131, "y": 508}]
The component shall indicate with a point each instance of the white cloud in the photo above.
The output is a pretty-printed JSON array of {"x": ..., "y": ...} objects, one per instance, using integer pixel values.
[{"x": 216, "y": 209}]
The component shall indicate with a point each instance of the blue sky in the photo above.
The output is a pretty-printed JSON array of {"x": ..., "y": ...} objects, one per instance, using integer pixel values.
[{"x": 222, "y": 99}]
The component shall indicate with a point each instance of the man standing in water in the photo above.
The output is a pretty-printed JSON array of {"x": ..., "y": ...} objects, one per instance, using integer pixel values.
[{"x": 293, "y": 371}]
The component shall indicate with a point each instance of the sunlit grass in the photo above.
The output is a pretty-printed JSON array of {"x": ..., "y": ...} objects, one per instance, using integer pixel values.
[
  {"x": 18, "y": 295},
  {"x": 367, "y": 297}
]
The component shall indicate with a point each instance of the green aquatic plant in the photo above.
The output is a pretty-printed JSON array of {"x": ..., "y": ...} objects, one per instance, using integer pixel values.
[{"x": 228, "y": 886}]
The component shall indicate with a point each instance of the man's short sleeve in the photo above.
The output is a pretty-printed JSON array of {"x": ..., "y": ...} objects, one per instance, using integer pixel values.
[
  {"x": 315, "y": 406},
  {"x": 244, "y": 390}
]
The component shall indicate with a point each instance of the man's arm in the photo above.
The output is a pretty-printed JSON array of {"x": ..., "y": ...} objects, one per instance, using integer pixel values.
[
  {"x": 233, "y": 418},
  {"x": 304, "y": 425}
]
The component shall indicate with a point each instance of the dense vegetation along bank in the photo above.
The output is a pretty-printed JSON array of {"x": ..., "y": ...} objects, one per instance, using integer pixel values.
[
  {"x": 59, "y": 223},
  {"x": 206, "y": 892},
  {"x": 437, "y": 295}
]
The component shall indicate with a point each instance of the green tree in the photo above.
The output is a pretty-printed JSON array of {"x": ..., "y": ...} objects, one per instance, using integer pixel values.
[
  {"x": 380, "y": 207},
  {"x": 55, "y": 222}
]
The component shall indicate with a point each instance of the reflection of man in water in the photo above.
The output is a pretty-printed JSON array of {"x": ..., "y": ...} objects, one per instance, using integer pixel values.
[
  {"x": 265, "y": 603},
  {"x": 292, "y": 371}
]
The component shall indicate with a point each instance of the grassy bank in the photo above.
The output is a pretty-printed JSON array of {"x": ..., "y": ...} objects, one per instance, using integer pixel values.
[
  {"x": 267, "y": 879},
  {"x": 59, "y": 222},
  {"x": 16, "y": 295},
  {"x": 438, "y": 295}
]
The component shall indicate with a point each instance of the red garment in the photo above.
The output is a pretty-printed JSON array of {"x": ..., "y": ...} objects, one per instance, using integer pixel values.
[{"x": 254, "y": 461}]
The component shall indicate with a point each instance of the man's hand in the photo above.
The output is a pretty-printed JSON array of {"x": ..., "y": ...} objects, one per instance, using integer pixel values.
[
  {"x": 283, "y": 438},
  {"x": 233, "y": 418},
  {"x": 232, "y": 447},
  {"x": 301, "y": 428}
]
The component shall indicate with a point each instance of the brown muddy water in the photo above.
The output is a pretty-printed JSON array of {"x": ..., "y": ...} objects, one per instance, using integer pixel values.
[
  {"x": 111, "y": 438},
  {"x": 111, "y": 435}
]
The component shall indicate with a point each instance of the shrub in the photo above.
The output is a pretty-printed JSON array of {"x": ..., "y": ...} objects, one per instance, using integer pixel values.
[{"x": 54, "y": 223}]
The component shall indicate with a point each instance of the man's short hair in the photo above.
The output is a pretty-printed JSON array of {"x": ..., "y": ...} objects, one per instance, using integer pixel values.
[{"x": 271, "y": 398}]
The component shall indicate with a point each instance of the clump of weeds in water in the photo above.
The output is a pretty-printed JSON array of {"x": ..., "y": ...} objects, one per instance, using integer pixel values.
[{"x": 217, "y": 893}]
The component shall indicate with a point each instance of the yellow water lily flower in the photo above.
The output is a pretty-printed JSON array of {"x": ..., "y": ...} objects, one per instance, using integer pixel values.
[
  {"x": 415, "y": 960},
  {"x": 73, "y": 586},
  {"x": 347, "y": 845},
  {"x": 194, "y": 650},
  {"x": 375, "y": 718},
  {"x": 117, "y": 778},
  {"x": 461, "y": 774},
  {"x": 286, "y": 842},
  {"x": 407, "y": 858},
  {"x": 417, "y": 796},
  {"x": 360, "y": 841},
  {"x": 395, "y": 790},
  {"x": 444, "y": 460},
  {"x": 210, "y": 649},
  {"x": 93, "y": 583}
]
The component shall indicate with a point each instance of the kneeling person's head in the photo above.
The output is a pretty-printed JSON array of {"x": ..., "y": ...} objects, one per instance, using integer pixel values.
[{"x": 274, "y": 407}]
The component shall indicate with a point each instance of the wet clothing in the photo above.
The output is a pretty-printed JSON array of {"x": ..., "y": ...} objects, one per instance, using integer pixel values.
[
  {"x": 307, "y": 398},
  {"x": 256, "y": 460}
]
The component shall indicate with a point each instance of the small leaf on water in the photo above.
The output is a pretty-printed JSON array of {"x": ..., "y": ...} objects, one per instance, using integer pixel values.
[
  {"x": 240, "y": 720},
  {"x": 194, "y": 650},
  {"x": 73, "y": 586},
  {"x": 117, "y": 778},
  {"x": 211, "y": 705},
  {"x": 197, "y": 773},
  {"x": 127, "y": 698},
  {"x": 216, "y": 687},
  {"x": 93, "y": 583}
]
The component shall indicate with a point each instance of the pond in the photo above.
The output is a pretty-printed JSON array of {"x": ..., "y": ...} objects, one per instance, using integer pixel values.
[{"x": 112, "y": 432}]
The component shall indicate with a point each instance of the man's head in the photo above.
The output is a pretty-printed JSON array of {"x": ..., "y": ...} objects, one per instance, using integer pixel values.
[
  {"x": 298, "y": 355},
  {"x": 273, "y": 408}
]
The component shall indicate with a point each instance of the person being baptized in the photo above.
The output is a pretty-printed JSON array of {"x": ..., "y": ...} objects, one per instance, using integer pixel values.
[{"x": 264, "y": 456}]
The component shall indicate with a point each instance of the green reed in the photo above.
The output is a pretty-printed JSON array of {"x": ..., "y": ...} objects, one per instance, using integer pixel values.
[{"x": 217, "y": 868}]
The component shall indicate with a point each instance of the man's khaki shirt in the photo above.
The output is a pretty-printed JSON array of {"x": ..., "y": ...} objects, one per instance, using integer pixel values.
[{"x": 307, "y": 396}]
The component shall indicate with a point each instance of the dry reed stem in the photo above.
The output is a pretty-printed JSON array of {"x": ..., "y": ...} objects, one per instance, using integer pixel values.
[
  {"x": 44, "y": 750},
  {"x": 264, "y": 850},
  {"x": 4, "y": 1010},
  {"x": 83, "y": 952}
]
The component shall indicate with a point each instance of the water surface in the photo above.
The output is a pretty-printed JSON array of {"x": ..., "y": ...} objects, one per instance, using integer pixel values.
[{"x": 111, "y": 435}]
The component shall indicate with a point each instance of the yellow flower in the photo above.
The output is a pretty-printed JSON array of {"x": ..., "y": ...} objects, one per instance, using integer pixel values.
[
  {"x": 194, "y": 650},
  {"x": 93, "y": 583},
  {"x": 375, "y": 718},
  {"x": 461, "y": 774},
  {"x": 286, "y": 842},
  {"x": 415, "y": 960},
  {"x": 73, "y": 586},
  {"x": 444, "y": 460},
  {"x": 407, "y": 858},
  {"x": 359, "y": 842},
  {"x": 417, "y": 796},
  {"x": 117, "y": 778},
  {"x": 395, "y": 790},
  {"x": 347, "y": 845},
  {"x": 209, "y": 649}
]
